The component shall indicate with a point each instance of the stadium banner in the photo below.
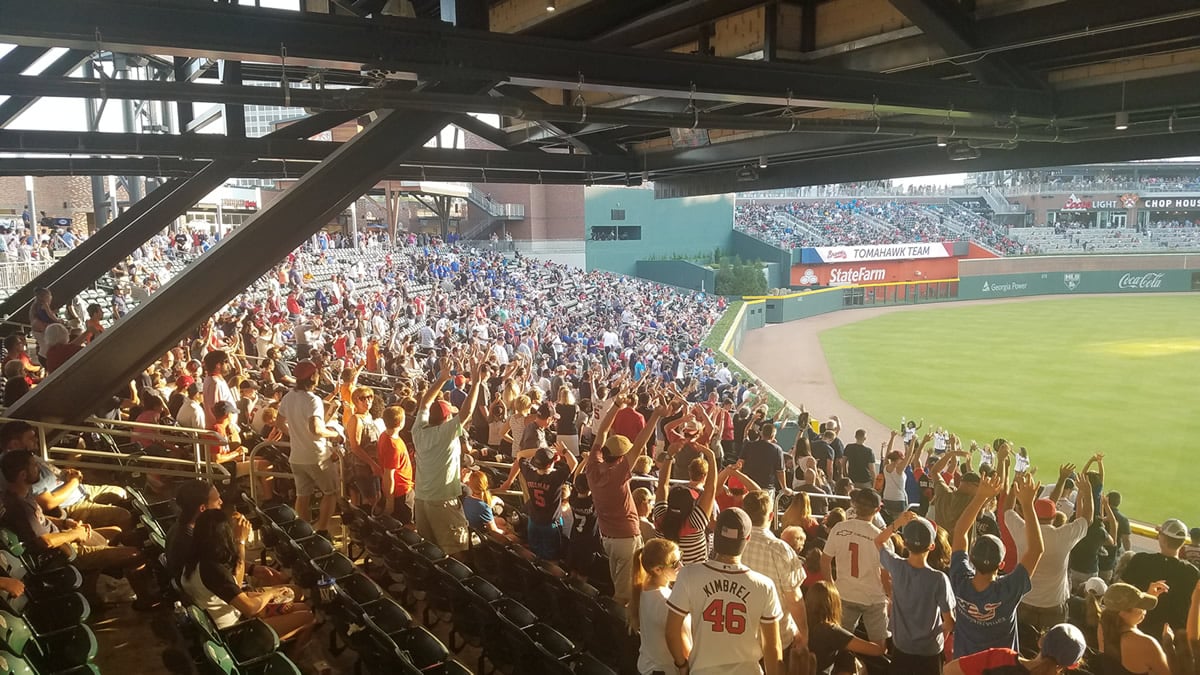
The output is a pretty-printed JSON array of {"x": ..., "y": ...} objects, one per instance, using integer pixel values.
[
  {"x": 834, "y": 254},
  {"x": 842, "y": 274},
  {"x": 1068, "y": 283}
]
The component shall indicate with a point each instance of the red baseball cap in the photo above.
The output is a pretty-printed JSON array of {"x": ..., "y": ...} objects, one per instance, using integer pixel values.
[{"x": 1045, "y": 509}]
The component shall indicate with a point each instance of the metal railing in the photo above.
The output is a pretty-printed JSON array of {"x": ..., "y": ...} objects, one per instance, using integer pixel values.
[
  {"x": 199, "y": 465},
  {"x": 16, "y": 273}
]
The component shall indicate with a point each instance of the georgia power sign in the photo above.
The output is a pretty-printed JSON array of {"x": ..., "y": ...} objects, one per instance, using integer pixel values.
[{"x": 849, "y": 254}]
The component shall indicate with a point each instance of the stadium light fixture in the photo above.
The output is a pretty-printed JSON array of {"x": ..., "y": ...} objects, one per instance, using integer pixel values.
[
  {"x": 550, "y": 6},
  {"x": 1121, "y": 122},
  {"x": 941, "y": 141},
  {"x": 762, "y": 161}
]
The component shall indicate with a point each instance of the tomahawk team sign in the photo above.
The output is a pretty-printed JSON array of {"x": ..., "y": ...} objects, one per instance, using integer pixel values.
[{"x": 837, "y": 254}]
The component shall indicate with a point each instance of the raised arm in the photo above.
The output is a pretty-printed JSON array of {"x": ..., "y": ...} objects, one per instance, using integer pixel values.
[
  {"x": 664, "y": 473},
  {"x": 1025, "y": 490},
  {"x": 1085, "y": 506},
  {"x": 1064, "y": 472},
  {"x": 988, "y": 488},
  {"x": 710, "y": 482},
  {"x": 481, "y": 373},
  {"x": 435, "y": 386},
  {"x": 901, "y": 520}
]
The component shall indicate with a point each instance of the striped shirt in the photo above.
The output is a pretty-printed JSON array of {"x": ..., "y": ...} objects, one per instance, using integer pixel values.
[{"x": 693, "y": 535}]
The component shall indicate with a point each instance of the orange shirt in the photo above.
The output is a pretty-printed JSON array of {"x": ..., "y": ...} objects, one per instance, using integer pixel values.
[{"x": 393, "y": 456}]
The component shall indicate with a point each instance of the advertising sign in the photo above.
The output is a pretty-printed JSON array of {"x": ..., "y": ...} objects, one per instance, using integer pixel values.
[
  {"x": 847, "y": 254},
  {"x": 1050, "y": 283},
  {"x": 1171, "y": 203},
  {"x": 844, "y": 274},
  {"x": 1076, "y": 204}
]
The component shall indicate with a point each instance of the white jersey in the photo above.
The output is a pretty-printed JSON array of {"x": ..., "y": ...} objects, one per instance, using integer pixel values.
[
  {"x": 940, "y": 439},
  {"x": 726, "y": 603},
  {"x": 852, "y": 545}
]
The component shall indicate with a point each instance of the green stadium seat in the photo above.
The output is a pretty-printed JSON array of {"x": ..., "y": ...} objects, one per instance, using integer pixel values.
[
  {"x": 59, "y": 652},
  {"x": 247, "y": 642},
  {"x": 54, "y": 581}
]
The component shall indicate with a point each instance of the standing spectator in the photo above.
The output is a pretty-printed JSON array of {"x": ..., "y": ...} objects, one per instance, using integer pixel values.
[
  {"x": 41, "y": 315},
  {"x": 735, "y": 611},
  {"x": 985, "y": 612},
  {"x": 833, "y": 646},
  {"x": 1124, "y": 647},
  {"x": 545, "y": 472},
  {"x": 860, "y": 461},
  {"x": 656, "y": 566},
  {"x": 851, "y": 544},
  {"x": 313, "y": 462},
  {"x": 567, "y": 430},
  {"x": 1144, "y": 569},
  {"x": 395, "y": 467},
  {"x": 608, "y": 473},
  {"x": 1123, "y": 530},
  {"x": 1046, "y": 603},
  {"x": 922, "y": 602},
  {"x": 777, "y": 560},
  {"x": 438, "y": 488},
  {"x": 681, "y": 514},
  {"x": 1061, "y": 650},
  {"x": 216, "y": 365},
  {"x": 763, "y": 461}
]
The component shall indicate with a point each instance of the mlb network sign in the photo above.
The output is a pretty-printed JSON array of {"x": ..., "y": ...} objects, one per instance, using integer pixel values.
[{"x": 844, "y": 254}]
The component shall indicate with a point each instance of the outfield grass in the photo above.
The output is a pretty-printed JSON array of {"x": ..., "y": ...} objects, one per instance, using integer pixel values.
[{"x": 1065, "y": 378}]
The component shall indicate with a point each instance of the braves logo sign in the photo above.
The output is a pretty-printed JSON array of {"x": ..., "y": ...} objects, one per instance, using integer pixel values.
[{"x": 1129, "y": 200}]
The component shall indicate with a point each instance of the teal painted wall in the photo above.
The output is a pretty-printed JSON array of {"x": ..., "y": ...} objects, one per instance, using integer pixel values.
[
  {"x": 750, "y": 248},
  {"x": 681, "y": 273},
  {"x": 1047, "y": 283},
  {"x": 670, "y": 227}
]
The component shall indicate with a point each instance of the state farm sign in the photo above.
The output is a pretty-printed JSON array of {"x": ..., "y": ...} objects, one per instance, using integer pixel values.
[
  {"x": 1148, "y": 280},
  {"x": 840, "y": 276}
]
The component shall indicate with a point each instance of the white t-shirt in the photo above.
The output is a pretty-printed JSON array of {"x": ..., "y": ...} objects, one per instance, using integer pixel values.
[
  {"x": 1051, "y": 586},
  {"x": 727, "y": 603},
  {"x": 939, "y": 441},
  {"x": 652, "y": 612},
  {"x": 852, "y": 545},
  {"x": 297, "y": 408},
  {"x": 191, "y": 415},
  {"x": 894, "y": 485}
]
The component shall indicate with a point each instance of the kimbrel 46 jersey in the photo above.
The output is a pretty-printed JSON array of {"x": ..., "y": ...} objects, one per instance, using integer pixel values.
[{"x": 727, "y": 603}]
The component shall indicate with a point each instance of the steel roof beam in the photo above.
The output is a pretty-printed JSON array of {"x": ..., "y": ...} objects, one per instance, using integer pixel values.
[{"x": 432, "y": 50}]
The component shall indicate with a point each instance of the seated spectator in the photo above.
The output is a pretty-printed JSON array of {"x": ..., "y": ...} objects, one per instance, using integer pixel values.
[
  {"x": 96, "y": 505},
  {"x": 15, "y": 349},
  {"x": 94, "y": 547},
  {"x": 478, "y": 507},
  {"x": 214, "y": 573},
  {"x": 191, "y": 410}
]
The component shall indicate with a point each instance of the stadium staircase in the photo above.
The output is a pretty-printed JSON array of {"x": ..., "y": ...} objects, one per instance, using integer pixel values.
[
  {"x": 999, "y": 203},
  {"x": 816, "y": 236},
  {"x": 493, "y": 212}
]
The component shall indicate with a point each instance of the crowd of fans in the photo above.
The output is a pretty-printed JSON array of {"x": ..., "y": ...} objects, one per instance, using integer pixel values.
[
  {"x": 577, "y": 414},
  {"x": 798, "y": 224}
]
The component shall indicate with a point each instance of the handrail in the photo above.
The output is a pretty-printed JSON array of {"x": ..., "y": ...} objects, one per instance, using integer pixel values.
[
  {"x": 169, "y": 434},
  {"x": 211, "y": 471}
]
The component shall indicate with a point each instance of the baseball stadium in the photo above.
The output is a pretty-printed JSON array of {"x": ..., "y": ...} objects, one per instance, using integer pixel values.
[{"x": 599, "y": 337}]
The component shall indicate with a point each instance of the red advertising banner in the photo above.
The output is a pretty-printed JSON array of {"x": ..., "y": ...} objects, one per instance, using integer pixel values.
[{"x": 876, "y": 272}]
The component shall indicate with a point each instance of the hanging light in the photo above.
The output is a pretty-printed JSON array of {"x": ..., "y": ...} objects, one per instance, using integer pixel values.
[
  {"x": 1121, "y": 123},
  {"x": 762, "y": 161},
  {"x": 941, "y": 141},
  {"x": 550, "y": 6}
]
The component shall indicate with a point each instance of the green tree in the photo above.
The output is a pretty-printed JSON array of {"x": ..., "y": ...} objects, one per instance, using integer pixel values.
[{"x": 735, "y": 277}]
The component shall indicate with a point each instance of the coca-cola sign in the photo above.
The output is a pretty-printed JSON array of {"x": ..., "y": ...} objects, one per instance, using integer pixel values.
[{"x": 1141, "y": 281}]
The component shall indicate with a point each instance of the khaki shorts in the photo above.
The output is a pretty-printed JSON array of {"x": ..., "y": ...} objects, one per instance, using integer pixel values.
[
  {"x": 313, "y": 477},
  {"x": 443, "y": 523}
]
